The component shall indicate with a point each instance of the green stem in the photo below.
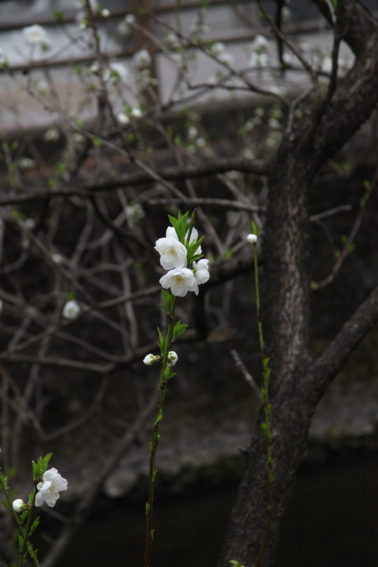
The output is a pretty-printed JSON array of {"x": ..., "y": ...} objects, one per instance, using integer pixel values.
[
  {"x": 25, "y": 532},
  {"x": 163, "y": 387},
  {"x": 266, "y": 425}
]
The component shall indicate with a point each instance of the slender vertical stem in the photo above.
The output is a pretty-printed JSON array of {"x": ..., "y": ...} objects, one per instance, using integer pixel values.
[
  {"x": 26, "y": 531},
  {"x": 266, "y": 425},
  {"x": 163, "y": 386}
]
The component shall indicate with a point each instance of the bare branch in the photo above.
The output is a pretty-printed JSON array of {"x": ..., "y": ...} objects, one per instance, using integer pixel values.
[{"x": 327, "y": 366}]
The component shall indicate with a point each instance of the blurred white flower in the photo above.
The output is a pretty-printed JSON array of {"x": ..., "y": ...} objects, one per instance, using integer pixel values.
[
  {"x": 327, "y": 64},
  {"x": 172, "y": 253},
  {"x": 51, "y": 135},
  {"x": 49, "y": 488},
  {"x": 71, "y": 310},
  {"x": 105, "y": 13},
  {"x": 136, "y": 112},
  {"x": 122, "y": 118},
  {"x": 29, "y": 223},
  {"x": 192, "y": 133},
  {"x": 219, "y": 50},
  {"x": 142, "y": 58},
  {"x": 259, "y": 60},
  {"x": 172, "y": 358},
  {"x": 260, "y": 43},
  {"x": 36, "y": 35},
  {"x": 172, "y": 41},
  {"x": 57, "y": 258},
  {"x": 252, "y": 238},
  {"x": 116, "y": 72},
  {"x": 25, "y": 163},
  {"x": 125, "y": 26},
  {"x": 42, "y": 86},
  {"x": 179, "y": 281},
  {"x": 18, "y": 505},
  {"x": 94, "y": 68}
]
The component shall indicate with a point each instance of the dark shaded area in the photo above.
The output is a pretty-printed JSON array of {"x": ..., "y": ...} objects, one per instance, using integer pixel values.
[{"x": 332, "y": 523}]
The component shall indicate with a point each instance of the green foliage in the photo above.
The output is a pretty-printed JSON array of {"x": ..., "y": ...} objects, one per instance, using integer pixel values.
[
  {"x": 40, "y": 466},
  {"x": 168, "y": 301},
  {"x": 161, "y": 342},
  {"x": 59, "y": 17},
  {"x": 178, "y": 330},
  {"x": 234, "y": 563},
  {"x": 192, "y": 247},
  {"x": 70, "y": 296},
  {"x": 181, "y": 224}
]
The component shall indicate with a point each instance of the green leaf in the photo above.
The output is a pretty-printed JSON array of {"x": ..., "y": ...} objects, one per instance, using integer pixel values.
[
  {"x": 41, "y": 465},
  {"x": 59, "y": 17},
  {"x": 178, "y": 330},
  {"x": 161, "y": 341},
  {"x": 168, "y": 300},
  {"x": 34, "y": 525}
]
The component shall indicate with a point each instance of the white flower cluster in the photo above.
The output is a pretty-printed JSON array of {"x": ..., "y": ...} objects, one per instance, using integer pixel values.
[
  {"x": 49, "y": 488},
  {"x": 181, "y": 278}
]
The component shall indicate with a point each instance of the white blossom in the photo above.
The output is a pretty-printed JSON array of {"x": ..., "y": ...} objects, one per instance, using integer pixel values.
[
  {"x": 124, "y": 27},
  {"x": 142, "y": 58},
  {"x": 50, "y": 487},
  {"x": 179, "y": 281},
  {"x": 71, "y": 310},
  {"x": 219, "y": 50},
  {"x": 123, "y": 119},
  {"x": 36, "y": 35},
  {"x": 252, "y": 238},
  {"x": 201, "y": 271},
  {"x": 172, "y": 253},
  {"x": 29, "y": 223},
  {"x": 136, "y": 112},
  {"x": 18, "y": 505},
  {"x": 172, "y": 358},
  {"x": 105, "y": 13},
  {"x": 260, "y": 43},
  {"x": 57, "y": 258},
  {"x": 150, "y": 359},
  {"x": 116, "y": 72},
  {"x": 259, "y": 60},
  {"x": 26, "y": 163},
  {"x": 51, "y": 135}
]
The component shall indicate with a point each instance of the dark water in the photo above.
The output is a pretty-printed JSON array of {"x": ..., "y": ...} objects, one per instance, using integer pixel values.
[{"x": 333, "y": 522}]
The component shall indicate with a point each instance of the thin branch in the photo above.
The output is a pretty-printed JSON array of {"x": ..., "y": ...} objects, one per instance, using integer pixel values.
[
  {"x": 327, "y": 366},
  {"x": 245, "y": 373},
  {"x": 257, "y": 167}
]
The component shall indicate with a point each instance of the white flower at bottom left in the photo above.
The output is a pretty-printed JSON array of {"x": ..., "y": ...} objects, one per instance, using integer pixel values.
[{"x": 50, "y": 487}]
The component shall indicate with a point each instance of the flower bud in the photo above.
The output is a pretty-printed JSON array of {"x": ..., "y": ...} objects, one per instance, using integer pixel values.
[
  {"x": 150, "y": 359},
  {"x": 18, "y": 505},
  {"x": 172, "y": 358},
  {"x": 71, "y": 310},
  {"x": 252, "y": 238}
]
